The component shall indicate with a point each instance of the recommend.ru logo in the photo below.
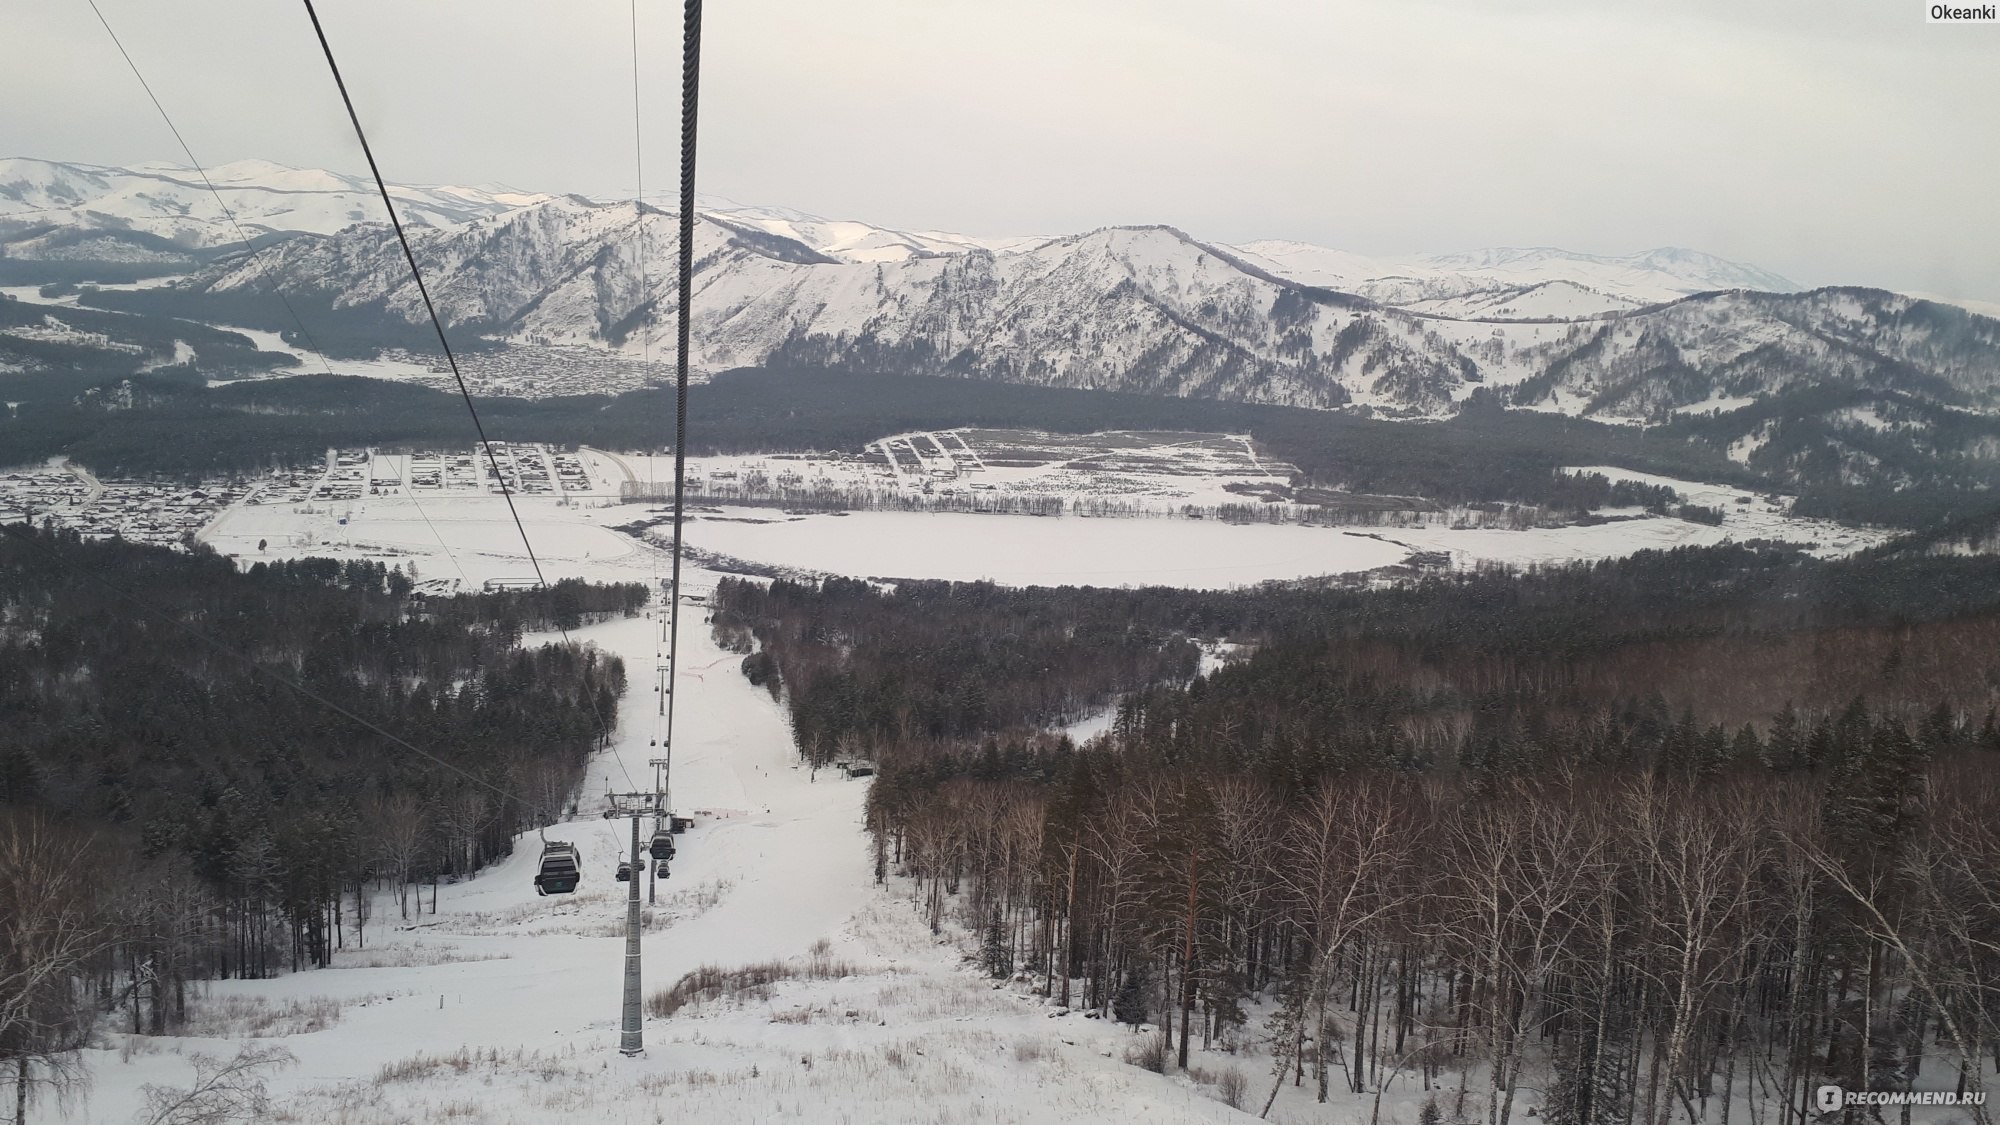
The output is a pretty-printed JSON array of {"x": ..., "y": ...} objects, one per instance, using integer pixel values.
[{"x": 1830, "y": 1098}]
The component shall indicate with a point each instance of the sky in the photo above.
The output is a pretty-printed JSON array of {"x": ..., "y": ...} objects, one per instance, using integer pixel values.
[{"x": 1832, "y": 141}]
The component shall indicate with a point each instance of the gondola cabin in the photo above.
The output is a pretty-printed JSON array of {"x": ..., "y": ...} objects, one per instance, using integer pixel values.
[
  {"x": 662, "y": 846},
  {"x": 561, "y": 869}
]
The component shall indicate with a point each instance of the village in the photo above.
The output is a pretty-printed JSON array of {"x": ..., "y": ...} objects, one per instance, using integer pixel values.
[
  {"x": 169, "y": 513},
  {"x": 154, "y": 512}
]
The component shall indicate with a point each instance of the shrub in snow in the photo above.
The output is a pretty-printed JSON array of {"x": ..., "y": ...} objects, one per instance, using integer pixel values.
[
  {"x": 1230, "y": 1086},
  {"x": 1150, "y": 1054}
]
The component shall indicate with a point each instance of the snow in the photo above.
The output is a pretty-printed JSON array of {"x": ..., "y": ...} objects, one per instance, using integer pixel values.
[
  {"x": 1743, "y": 448},
  {"x": 1155, "y": 473},
  {"x": 901, "y": 1029},
  {"x": 852, "y": 241},
  {"x": 1205, "y": 554},
  {"x": 472, "y": 534},
  {"x": 1091, "y": 725},
  {"x": 463, "y": 531},
  {"x": 1085, "y": 310},
  {"x": 1864, "y": 417},
  {"x": 1748, "y": 516},
  {"x": 1716, "y": 404},
  {"x": 552, "y": 970},
  {"x": 1047, "y": 551},
  {"x": 1548, "y": 300},
  {"x": 1607, "y": 283},
  {"x": 1137, "y": 308},
  {"x": 776, "y": 863},
  {"x": 172, "y": 200}
]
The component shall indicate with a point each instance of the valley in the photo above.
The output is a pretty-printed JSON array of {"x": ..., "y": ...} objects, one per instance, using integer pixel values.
[{"x": 1086, "y": 639}]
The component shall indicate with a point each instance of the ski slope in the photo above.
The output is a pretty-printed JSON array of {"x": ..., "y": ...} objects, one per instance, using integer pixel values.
[
  {"x": 502, "y": 1006},
  {"x": 519, "y": 994}
]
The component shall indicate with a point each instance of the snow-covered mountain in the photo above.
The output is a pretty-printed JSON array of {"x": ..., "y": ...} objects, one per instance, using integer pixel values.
[
  {"x": 850, "y": 241},
  {"x": 101, "y": 209},
  {"x": 164, "y": 214},
  {"x": 1513, "y": 284},
  {"x": 1145, "y": 309},
  {"x": 1148, "y": 309}
]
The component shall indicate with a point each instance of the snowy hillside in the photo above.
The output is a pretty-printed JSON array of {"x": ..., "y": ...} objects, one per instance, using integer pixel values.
[
  {"x": 851, "y": 241},
  {"x": 1513, "y": 284},
  {"x": 1144, "y": 309},
  {"x": 171, "y": 202}
]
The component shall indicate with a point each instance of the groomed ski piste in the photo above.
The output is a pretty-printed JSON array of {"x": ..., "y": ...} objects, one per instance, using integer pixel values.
[{"x": 502, "y": 1006}]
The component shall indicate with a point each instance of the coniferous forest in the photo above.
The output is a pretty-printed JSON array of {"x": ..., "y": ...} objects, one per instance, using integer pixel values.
[
  {"x": 205, "y": 773},
  {"x": 1688, "y": 833},
  {"x": 180, "y": 426}
]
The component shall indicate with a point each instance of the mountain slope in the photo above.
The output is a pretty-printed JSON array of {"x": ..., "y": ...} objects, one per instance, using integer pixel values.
[
  {"x": 1131, "y": 308},
  {"x": 850, "y": 241},
  {"x": 172, "y": 203},
  {"x": 1489, "y": 282},
  {"x": 1144, "y": 308}
]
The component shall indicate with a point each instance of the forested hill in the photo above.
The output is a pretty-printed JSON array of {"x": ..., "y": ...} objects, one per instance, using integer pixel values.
[
  {"x": 1657, "y": 821},
  {"x": 1400, "y": 675},
  {"x": 255, "y": 804}
]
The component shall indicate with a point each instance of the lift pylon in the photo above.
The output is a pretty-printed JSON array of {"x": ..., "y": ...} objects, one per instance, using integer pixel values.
[{"x": 632, "y": 1036}]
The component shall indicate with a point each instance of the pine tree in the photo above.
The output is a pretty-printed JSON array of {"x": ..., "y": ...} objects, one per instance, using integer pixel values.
[
  {"x": 1785, "y": 749},
  {"x": 1939, "y": 732},
  {"x": 1129, "y": 1006},
  {"x": 1566, "y": 1102},
  {"x": 994, "y": 955},
  {"x": 1872, "y": 801},
  {"x": 1711, "y": 751},
  {"x": 1747, "y": 749},
  {"x": 1819, "y": 745},
  {"x": 1611, "y": 1093}
]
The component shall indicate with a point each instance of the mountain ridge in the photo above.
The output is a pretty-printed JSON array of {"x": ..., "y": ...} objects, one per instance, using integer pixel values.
[
  {"x": 269, "y": 197},
  {"x": 1147, "y": 306},
  {"x": 1872, "y": 376}
]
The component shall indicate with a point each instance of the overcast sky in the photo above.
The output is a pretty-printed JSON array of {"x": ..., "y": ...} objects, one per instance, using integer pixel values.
[{"x": 1833, "y": 141}]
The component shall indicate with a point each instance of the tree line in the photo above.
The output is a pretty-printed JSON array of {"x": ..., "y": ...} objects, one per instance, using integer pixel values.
[
  {"x": 1630, "y": 942},
  {"x": 1483, "y": 455},
  {"x": 1686, "y": 833},
  {"x": 175, "y": 807}
]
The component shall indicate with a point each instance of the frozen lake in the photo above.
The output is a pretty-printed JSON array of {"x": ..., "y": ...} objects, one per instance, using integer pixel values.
[
  {"x": 1041, "y": 551},
  {"x": 467, "y": 533}
]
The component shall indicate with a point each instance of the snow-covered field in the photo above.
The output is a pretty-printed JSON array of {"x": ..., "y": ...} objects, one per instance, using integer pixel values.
[
  {"x": 453, "y": 525},
  {"x": 1029, "y": 551},
  {"x": 1750, "y": 515}
]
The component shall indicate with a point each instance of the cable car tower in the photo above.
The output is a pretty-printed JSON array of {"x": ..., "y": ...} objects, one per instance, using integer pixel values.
[
  {"x": 632, "y": 1037},
  {"x": 637, "y": 806},
  {"x": 560, "y": 866}
]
